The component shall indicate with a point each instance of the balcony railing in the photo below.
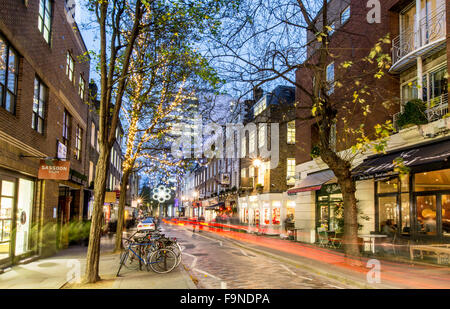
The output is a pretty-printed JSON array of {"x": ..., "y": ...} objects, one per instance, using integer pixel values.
[
  {"x": 437, "y": 109},
  {"x": 431, "y": 28}
]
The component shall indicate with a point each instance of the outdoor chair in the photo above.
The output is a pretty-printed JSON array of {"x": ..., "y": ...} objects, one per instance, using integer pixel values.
[
  {"x": 336, "y": 241},
  {"x": 323, "y": 237}
]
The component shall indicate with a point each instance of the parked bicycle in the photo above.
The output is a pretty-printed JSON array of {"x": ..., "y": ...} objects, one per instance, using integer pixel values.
[{"x": 153, "y": 250}]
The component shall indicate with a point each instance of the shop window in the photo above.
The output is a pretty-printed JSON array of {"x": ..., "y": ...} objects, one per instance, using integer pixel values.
[
  {"x": 276, "y": 216},
  {"x": 446, "y": 215},
  {"x": 405, "y": 215},
  {"x": 432, "y": 181},
  {"x": 329, "y": 208},
  {"x": 6, "y": 215},
  {"x": 426, "y": 214},
  {"x": 45, "y": 19},
  {"x": 8, "y": 76},
  {"x": 387, "y": 186},
  {"x": 39, "y": 103},
  {"x": 24, "y": 215},
  {"x": 387, "y": 210}
]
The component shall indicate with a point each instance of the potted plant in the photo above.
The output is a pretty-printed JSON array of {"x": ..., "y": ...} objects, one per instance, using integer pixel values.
[{"x": 414, "y": 113}]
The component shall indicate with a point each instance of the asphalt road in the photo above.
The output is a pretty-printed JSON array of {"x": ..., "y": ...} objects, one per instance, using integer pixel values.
[{"x": 216, "y": 263}]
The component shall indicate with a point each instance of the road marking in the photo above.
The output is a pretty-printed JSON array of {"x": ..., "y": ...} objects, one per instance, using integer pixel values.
[
  {"x": 290, "y": 271},
  {"x": 223, "y": 284},
  {"x": 243, "y": 252},
  {"x": 194, "y": 257},
  {"x": 212, "y": 239}
]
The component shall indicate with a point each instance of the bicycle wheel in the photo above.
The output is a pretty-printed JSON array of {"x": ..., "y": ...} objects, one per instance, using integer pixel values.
[
  {"x": 123, "y": 258},
  {"x": 162, "y": 261},
  {"x": 176, "y": 248}
]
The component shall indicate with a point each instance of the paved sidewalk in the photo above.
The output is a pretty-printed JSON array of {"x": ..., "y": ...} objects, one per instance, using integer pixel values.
[{"x": 69, "y": 265}]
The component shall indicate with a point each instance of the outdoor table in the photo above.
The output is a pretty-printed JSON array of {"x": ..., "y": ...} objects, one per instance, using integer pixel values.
[{"x": 372, "y": 237}]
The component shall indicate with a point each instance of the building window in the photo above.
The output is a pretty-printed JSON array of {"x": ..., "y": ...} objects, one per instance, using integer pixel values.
[
  {"x": 66, "y": 128},
  {"x": 291, "y": 132},
  {"x": 39, "y": 102},
  {"x": 330, "y": 78},
  {"x": 251, "y": 142},
  {"x": 8, "y": 76},
  {"x": 69, "y": 67},
  {"x": 260, "y": 106},
  {"x": 91, "y": 172},
  {"x": 93, "y": 135},
  {"x": 345, "y": 15},
  {"x": 78, "y": 140},
  {"x": 81, "y": 86},
  {"x": 261, "y": 173},
  {"x": 243, "y": 146},
  {"x": 262, "y": 133},
  {"x": 290, "y": 171},
  {"x": 243, "y": 173},
  {"x": 45, "y": 19},
  {"x": 333, "y": 28}
]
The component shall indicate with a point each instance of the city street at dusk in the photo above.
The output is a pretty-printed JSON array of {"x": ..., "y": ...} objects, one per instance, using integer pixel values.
[{"x": 225, "y": 152}]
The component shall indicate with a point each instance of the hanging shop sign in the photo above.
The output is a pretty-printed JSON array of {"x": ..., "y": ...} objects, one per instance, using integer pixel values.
[
  {"x": 54, "y": 169},
  {"x": 62, "y": 151}
]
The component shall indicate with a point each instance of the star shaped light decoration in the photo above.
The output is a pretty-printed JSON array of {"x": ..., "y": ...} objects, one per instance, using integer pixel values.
[{"x": 161, "y": 194}]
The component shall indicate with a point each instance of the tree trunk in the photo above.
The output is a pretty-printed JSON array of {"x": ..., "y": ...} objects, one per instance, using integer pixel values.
[
  {"x": 120, "y": 216},
  {"x": 342, "y": 169},
  {"x": 93, "y": 253},
  {"x": 348, "y": 189}
]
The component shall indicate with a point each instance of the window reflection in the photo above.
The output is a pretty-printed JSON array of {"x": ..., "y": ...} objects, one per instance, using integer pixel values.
[
  {"x": 446, "y": 215},
  {"x": 426, "y": 214},
  {"x": 431, "y": 181}
]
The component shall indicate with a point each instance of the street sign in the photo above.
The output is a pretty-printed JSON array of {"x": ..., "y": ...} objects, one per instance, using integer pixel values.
[{"x": 54, "y": 169}]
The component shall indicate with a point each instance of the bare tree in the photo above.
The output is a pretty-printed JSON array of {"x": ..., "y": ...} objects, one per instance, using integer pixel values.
[{"x": 290, "y": 42}]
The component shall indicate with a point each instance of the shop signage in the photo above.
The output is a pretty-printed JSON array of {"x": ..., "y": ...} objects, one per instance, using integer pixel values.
[
  {"x": 110, "y": 197},
  {"x": 225, "y": 179},
  {"x": 54, "y": 169},
  {"x": 62, "y": 151}
]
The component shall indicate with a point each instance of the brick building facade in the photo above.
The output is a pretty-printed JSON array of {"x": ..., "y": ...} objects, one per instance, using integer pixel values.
[
  {"x": 263, "y": 202},
  {"x": 419, "y": 70},
  {"x": 42, "y": 116}
]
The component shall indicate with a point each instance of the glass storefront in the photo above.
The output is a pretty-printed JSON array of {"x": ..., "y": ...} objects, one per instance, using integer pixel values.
[
  {"x": 429, "y": 214},
  {"x": 16, "y": 210},
  {"x": 24, "y": 212},
  {"x": 328, "y": 200},
  {"x": 393, "y": 203}
]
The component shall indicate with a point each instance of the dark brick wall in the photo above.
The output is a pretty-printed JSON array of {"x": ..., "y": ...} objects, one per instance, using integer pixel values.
[
  {"x": 18, "y": 25},
  {"x": 352, "y": 42}
]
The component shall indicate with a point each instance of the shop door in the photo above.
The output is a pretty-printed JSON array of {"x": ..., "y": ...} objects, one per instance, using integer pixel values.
[{"x": 7, "y": 193}]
